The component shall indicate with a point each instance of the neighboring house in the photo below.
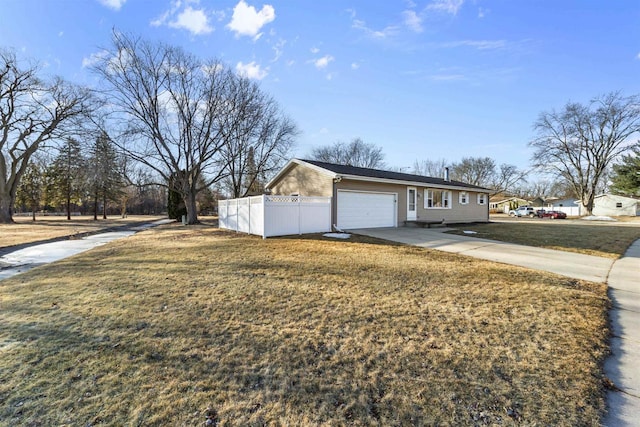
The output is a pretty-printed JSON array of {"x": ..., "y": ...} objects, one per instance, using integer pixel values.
[
  {"x": 502, "y": 204},
  {"x": 547, "y": 203},
  {"x": 612, "y": 205},
  {"x": 367, "y": 198},
  {"x": 569, "y": 206}
]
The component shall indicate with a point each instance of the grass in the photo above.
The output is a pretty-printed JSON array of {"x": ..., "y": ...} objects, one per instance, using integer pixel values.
[
  {"x": 156, "y": 328},
  {"x": 609, "y": 241},
  {"x": 27, "y": 231}
]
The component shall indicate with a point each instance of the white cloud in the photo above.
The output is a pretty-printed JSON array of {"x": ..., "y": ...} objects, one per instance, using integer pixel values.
[
  {"x": 314, "y": 50},
  {"x": 477, "y": 44},
  {"x": 447, "y": 77},
  {"x": 321, "y": 63},
  {"x": 638, "y": 56},
  {"x": 290, "y": 63},
  {"x": 94, "y": 58},
  {"x": 278, "y": 49},
  {"x": 113, "y": 4},
  {"x": 193, "y": 20},
  {"x": 446, "y": 6},
  {"x": 482, "y": 12},
  {"x": 247, "y": 21},
  {"x": 61, "y": 33},
  {"x": 251, "y": 70},
  {"x": 412, "y": 21},
  {"x": 355, "y": 65},
  {"x": 376, "y": 34}
]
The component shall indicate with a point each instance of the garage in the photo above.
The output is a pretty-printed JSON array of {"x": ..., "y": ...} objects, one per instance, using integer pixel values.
[{"x": 362, "y": 209}]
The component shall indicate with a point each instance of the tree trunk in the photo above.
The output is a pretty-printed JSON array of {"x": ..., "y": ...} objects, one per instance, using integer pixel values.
[
  {"x": 95, "y": 207},
  {"x": 68, "y": 207},
  {"x": 33, "y": 213},
  {"x": 190, "y": 203},
  {"x": 104, "y": 207},
  {"x": 589, "y": 205},
  {"x": 6, "y": 209}
]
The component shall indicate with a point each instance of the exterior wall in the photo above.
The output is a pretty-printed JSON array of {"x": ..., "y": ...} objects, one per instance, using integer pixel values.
[
  {"x": 471, "y": 212},
  {"x": 606, "y": 206},
  {"x": 305, "y": 182}
]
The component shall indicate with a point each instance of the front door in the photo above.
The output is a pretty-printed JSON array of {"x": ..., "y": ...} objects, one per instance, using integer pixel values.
[{"x": 411, "y": 204}]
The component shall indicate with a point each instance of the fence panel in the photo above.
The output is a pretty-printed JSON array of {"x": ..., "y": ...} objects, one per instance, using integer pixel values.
[
  {"x": 569, "y": 210},
  {"x": 269, "y": 216}
]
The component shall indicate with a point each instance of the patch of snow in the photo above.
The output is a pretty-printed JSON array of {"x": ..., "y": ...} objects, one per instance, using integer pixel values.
[
  {"x": 338, "y": 235},
  {"x": 598, "y": 218},
  {"x": 470, "y": 232}
]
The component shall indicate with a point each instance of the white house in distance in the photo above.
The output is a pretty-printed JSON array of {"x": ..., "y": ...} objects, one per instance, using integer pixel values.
[{"x": 612, "y": 205}]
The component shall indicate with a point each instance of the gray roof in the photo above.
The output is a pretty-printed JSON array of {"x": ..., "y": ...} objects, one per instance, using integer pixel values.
[{"x": 382, "y": 174}]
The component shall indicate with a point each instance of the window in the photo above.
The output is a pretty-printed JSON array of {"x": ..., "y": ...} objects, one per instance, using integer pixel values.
[
  {"x": 437, "y": 199},
  {"x": 463, "y": 198},
  {"x": 619, "y": 205},
  {"x": 482, "y": 198}
]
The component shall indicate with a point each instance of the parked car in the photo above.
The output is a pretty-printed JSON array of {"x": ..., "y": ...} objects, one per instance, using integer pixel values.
[
  {"x": 551, "y": 214},
  {"x": 523, "y": 211}
]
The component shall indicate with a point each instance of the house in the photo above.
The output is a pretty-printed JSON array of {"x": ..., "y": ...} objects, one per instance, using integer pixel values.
[
  {"x": 570, "y": 206},
  {"x": 368, "y": 198},
  {"x": 503, "y": 204},
  {"x": 612, "y": 205},
  {"x": 543, "y": 203}
]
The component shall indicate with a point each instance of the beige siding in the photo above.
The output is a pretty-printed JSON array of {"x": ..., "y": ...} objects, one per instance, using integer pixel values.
[
  {"x": 303, "y": 181},
  {"x": 471, "y": 212}
]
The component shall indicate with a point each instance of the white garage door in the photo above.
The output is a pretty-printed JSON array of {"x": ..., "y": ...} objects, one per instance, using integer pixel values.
[{"x": 366, "y": 210}]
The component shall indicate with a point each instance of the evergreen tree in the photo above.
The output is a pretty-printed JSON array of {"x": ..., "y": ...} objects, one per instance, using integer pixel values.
[
  {"x": 105, "y": 180},
  {"x": 626, "y": 175},
  {"x": 30, "y": 190},
  {"x": 175, "y": 202},
  {"x": 67, "y": 176}
]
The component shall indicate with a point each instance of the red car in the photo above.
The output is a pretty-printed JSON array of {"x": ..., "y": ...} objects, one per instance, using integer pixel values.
[{"x": 551, "y": 214}]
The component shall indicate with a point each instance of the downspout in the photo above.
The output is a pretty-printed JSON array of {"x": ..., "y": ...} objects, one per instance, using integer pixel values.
[{"x": 334, "y": 205}]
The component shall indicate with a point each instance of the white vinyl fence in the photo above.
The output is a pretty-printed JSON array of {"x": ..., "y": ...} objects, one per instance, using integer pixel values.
[
  {"x": 269, "y": 216},
  {"x": 569, "y": 210}
]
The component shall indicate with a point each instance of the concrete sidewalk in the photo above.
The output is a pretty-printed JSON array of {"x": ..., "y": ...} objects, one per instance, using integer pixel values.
[
  {"x": 622, "y": 277},
  {"x": 577, "y": 266},
  {"x": 36, "y": 254},
  {"x": 623, "y": 366}
]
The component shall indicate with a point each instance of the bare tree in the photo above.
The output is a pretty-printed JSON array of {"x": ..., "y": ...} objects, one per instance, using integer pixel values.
[
  {"x": 474, "y": 170},
  {"x": 174, "y": 105},
  {"x": 32, "y": 112},
  {"x": 184, "y": 114},
  {"x": 506, "y": 178},
  {"x": 433, "y": 168},
  {"x": 356, "y": 153},
  {"x": 580, "y": 142},
  {"x": 258, "y": 138}
]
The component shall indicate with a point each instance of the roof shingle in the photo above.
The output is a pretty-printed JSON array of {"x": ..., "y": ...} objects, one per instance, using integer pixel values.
[{"x": 382, "y": 174}]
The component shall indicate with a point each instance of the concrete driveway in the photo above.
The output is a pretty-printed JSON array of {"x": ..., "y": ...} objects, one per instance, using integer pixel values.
[{"x": 577, "y": 266}]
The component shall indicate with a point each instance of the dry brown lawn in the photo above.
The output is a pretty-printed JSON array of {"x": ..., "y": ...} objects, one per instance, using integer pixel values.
[
  {"x": 27, "y": 231},
  {"x": 605, "y": 240},
  {"x": 156, "y": 328}
]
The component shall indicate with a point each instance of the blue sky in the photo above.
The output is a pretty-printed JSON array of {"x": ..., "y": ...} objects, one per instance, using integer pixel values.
[{"x": 422, "y": 79}]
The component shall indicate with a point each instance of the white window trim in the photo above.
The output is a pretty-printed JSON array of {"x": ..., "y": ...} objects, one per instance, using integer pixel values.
[
  {"x": 482, "y": 199},
  {"x": 443, "y": 192},
  {"x": 466, "y": 198}
]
